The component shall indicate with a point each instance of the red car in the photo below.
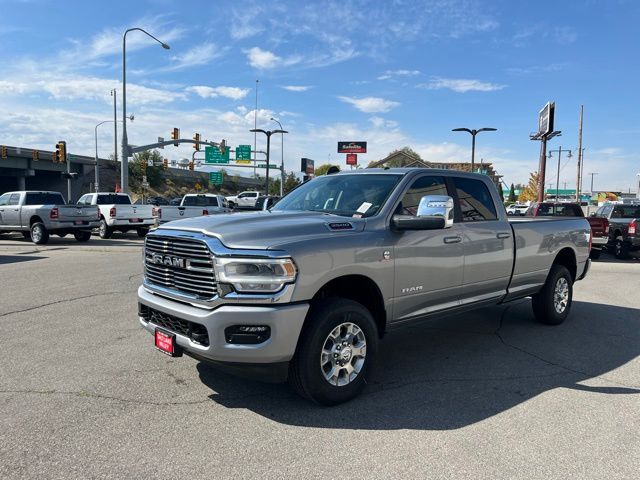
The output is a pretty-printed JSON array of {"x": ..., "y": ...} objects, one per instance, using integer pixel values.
[{"x": 599, "y": 225}]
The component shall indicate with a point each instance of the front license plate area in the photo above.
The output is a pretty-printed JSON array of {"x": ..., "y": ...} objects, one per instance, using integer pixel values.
[{"x": 166, "y": 343}]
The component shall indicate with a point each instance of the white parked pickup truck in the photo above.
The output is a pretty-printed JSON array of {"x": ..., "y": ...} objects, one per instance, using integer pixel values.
[
  {"x": 117, "y": 213},
  {"x": 243, "y": 200},
  {"x": 192, "y": 205}
]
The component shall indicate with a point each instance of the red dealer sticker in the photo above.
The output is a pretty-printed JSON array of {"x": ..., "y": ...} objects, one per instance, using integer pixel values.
[{"x": 165, "y": 342}]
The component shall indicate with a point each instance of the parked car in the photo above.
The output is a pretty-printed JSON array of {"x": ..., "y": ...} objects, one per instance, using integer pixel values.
[
  {"x": 243, "y": 200},
  {"x": 624, "y": 237},
  {"x": 40, "y": 214},
  {"x": 118, "y": 214},
  {"x": 599, "y": 226},
  {"x": 517, "y": 209},
  {"x": 157, "y": 201},
  {"x": 307, "y": 290},
  {"x": 192, "y": 205},
  {"x": 265, "y": 203}
]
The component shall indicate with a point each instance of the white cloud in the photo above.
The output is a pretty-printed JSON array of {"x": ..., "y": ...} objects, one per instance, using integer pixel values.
[
  {"x": 370, "y": 104},
  {"x": 398, "y": 73},
  {"x": 198, "y": 55},
  {"x": 234, "y": 93},
  {"x": 264, "y": 59},
  {"x": 461, "y": 85},
  {"x": 297, "y": 88},
  {"x": 379, "y": 122}
]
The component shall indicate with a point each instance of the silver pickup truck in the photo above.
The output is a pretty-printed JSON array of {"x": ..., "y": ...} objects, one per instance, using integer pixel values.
[
  {"x": 308, "y": 288},
  {"x": 40, "y": 214}
]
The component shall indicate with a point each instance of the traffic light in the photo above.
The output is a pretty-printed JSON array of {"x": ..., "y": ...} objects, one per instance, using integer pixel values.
[
  {"x": 60, "y": 154},
  {"x": 35, "y": 155},
  {"x": 223, "y": 146},
  {"x": 175, "y": 135},
  {"x": 191, "y": 166},
  {"x": 165, "y": 163},
  {"x": 3, "y": 151},
  {"x": 196, "y": 145}
]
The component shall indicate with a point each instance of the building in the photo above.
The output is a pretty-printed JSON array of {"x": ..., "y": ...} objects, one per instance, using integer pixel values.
[{"x": 404, "y": 158}]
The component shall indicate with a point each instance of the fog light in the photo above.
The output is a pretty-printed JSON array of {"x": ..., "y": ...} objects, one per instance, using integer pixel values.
[{"x": 247, "y": 334}]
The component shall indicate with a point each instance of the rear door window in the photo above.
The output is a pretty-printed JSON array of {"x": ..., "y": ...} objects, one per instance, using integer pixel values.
[
  {"x": 474, "y": 199},
  {"x": 422, "y": 186},
  {"x": 44, "y": 198},
  {"x": 4, "y": 199}
]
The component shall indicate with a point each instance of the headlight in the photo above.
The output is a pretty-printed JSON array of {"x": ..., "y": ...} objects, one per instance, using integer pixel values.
[{"x": 256, "y": 275}]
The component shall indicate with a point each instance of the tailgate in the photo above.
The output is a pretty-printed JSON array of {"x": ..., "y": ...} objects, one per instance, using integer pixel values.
[
  {"x": 599, "y": 226},
  {"x": 73, "y": 213},
  {"x": 127, "y": 212},
  {"x": 167, "y": 214}
]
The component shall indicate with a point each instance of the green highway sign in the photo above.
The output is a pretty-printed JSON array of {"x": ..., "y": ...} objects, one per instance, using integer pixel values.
[
  {"x": 215, "y": 178},
  {"x": 271, "y": 165},
  {"x": 243, "y": 152},
  {"x": 213, "y": 155}
]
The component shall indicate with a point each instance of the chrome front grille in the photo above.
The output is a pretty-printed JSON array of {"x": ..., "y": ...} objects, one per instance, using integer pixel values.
[{"x": 183, "y": 265}]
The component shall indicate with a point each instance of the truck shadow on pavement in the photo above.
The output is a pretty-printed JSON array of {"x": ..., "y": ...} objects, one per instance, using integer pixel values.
[
  {"x": 6, "y": 259},
  {"x": 453, "y": 372}
]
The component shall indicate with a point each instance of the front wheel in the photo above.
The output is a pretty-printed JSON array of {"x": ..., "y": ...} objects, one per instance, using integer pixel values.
[
  {"x": 335, "y": 352},
  {"x": 39, "y": 234},
  {"x": 82, "y": 235},
  {"x": 104, "y": 231},
  {"x": 552, "y": 304}
]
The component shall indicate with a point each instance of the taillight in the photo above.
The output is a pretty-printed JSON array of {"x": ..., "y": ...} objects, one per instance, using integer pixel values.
[
  {"x": 98, "y": 213},
  {"x": 205, "y": 212},
  {"x": 54, "y": 214},
  {"x": 632, "y": 228},
  {"x": 112, "y": 212}
]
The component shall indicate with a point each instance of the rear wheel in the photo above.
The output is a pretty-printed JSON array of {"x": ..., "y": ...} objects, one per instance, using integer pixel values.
[
  {"x": 552, "y": 304},
  {"x": 103, "y": 230},
  {"x": 142, "y": 232},
  {"x": 335, "y": 352},
  {"x": 620, "y": 249},
  {"x": 82, "y": 235},
  {"x": 39, "y": 234}
]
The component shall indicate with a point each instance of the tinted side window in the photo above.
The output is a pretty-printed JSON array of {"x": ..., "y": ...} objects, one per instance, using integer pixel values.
[
  {"x": 37, "y": 198},
  {"x": 421, "y": 187},
  {"x": 475, "y": 200},
  {"x": 14, "y": 199}
]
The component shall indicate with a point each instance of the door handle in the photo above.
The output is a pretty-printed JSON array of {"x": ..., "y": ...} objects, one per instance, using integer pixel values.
[
  {"x": 455, "y": 239},
  {"x": 503, "y": 235}
]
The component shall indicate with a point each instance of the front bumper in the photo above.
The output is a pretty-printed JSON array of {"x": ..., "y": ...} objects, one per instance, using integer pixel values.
[{"x": 285, "y": 322}]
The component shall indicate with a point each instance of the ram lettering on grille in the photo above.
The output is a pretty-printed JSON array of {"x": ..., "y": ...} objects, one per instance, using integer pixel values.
[{"x": 168, "y": 260}]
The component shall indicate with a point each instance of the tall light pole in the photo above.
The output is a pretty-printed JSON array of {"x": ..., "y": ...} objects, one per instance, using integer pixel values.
[
  {"x": 268, "y": 133},
  {"x": 97, "y": 169},
  {"x": 115, "y": 127},
  {"x": 124, "y": 177},
  {"x": 592, "y": 174},
  {"x": 559, "y": 152},
  {"x": 473, "y": 133},
  {"x": 281, "y": 157}
]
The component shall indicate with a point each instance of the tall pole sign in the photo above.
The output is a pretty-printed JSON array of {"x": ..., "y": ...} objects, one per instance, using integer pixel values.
[{"x": 545, "y": 132}]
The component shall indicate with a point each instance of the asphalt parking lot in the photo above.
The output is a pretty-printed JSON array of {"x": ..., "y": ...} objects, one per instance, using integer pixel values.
[{"x": 491, "y": 394}]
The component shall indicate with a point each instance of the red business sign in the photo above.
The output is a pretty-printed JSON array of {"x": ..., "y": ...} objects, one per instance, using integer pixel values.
[
  {"x": 352, "y": 147},
  {"x": 352, "y": 158}
]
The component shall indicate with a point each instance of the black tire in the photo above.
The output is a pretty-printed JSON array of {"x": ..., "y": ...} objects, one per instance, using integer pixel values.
[
  {"x": 39, "y": 234},
  {"x": 103, "y": 230},
  {"x": 306, "y": 374},
  {"x": 27, "y": 235},
  {"x": 621, "y": 249},
  {"x": 82, "y": 235},
  {"x": 142, "y": 232},
  {"x": 545, "y": 308},
  {"x": 232, "y": 205},
  {"x": 595, "y": 253}
]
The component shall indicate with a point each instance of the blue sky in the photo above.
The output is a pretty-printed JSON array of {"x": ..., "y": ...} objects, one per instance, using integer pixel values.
[{"x": 392, "y": 73}]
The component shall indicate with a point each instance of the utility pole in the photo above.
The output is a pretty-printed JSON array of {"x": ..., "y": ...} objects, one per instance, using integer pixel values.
[
  {"x": 578, "y": 183},
  {"x": 115, "y": 127},
  {"x": 255, "y": 134},
  {"x": 559, "y": 152}
]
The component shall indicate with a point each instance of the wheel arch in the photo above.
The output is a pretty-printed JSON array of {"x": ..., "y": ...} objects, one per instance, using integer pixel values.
[
  {"x": 567, "y": 258},
  {"x": 35, "y": 219}
]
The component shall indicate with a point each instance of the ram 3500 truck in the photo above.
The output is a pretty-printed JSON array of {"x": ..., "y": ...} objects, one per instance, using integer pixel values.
[
  {"x": 308, "y": 288},
  {"x": 118, "y": 213},
  {"x": 192, "y": 205},
  {"x": 40, "y": 214}
]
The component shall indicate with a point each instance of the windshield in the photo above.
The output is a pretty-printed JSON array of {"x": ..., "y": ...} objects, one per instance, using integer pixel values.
[{"x": 345, "y": 195}]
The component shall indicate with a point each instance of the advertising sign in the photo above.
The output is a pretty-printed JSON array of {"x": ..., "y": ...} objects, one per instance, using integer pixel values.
[
  {"x": 352, "y": 158},
  {"x": 545, "y": 119},
  {"x": 352, "y": 147},
  {"x": 307, "y": 166}
]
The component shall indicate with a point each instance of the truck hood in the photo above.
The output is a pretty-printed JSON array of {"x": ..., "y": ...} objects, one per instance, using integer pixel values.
[{"x": 264, "y": 230}]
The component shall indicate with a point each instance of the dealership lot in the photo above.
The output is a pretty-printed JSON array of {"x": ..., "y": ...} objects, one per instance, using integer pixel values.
[{"x": 490, "y": 394}]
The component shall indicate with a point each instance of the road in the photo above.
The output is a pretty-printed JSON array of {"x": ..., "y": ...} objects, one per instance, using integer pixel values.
[{"x": 487, "y": 395}]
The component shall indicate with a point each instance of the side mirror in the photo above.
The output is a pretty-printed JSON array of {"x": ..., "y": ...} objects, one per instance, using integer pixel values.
[{"x": 440, "y": 206}]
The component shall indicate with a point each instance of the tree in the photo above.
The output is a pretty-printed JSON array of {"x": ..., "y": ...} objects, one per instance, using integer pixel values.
[
  {"x": 530, "y": 192},
  {"x": 322, "y": 169},
  {"x": 290, "y": 182},
  {"x": 512, "y": 194},
  {"x": 138, "y": 168},
  {"x": 500, "y": 191}
]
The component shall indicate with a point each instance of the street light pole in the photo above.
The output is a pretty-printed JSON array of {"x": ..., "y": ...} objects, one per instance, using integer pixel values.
[
  {"x": 268, "y": 133},
  {"x": 97, "y": 168},
  {"x": 124, "y": 174},
  {"x": 592, "y": 174},
  {"x": 559, "y": 152},
  {"x": 115, "y": 127},
  {"x": 281, "y": 158},
  {"x": 473, "y": 133}
]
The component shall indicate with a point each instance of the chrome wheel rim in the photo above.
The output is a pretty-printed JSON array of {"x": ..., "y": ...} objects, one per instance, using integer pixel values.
[
  {"x": 561, "y": 295},
  {"x": 36, "y": 234},
  {"x": 343, "y": 354},
  {"x": 103, "y": 229}
]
